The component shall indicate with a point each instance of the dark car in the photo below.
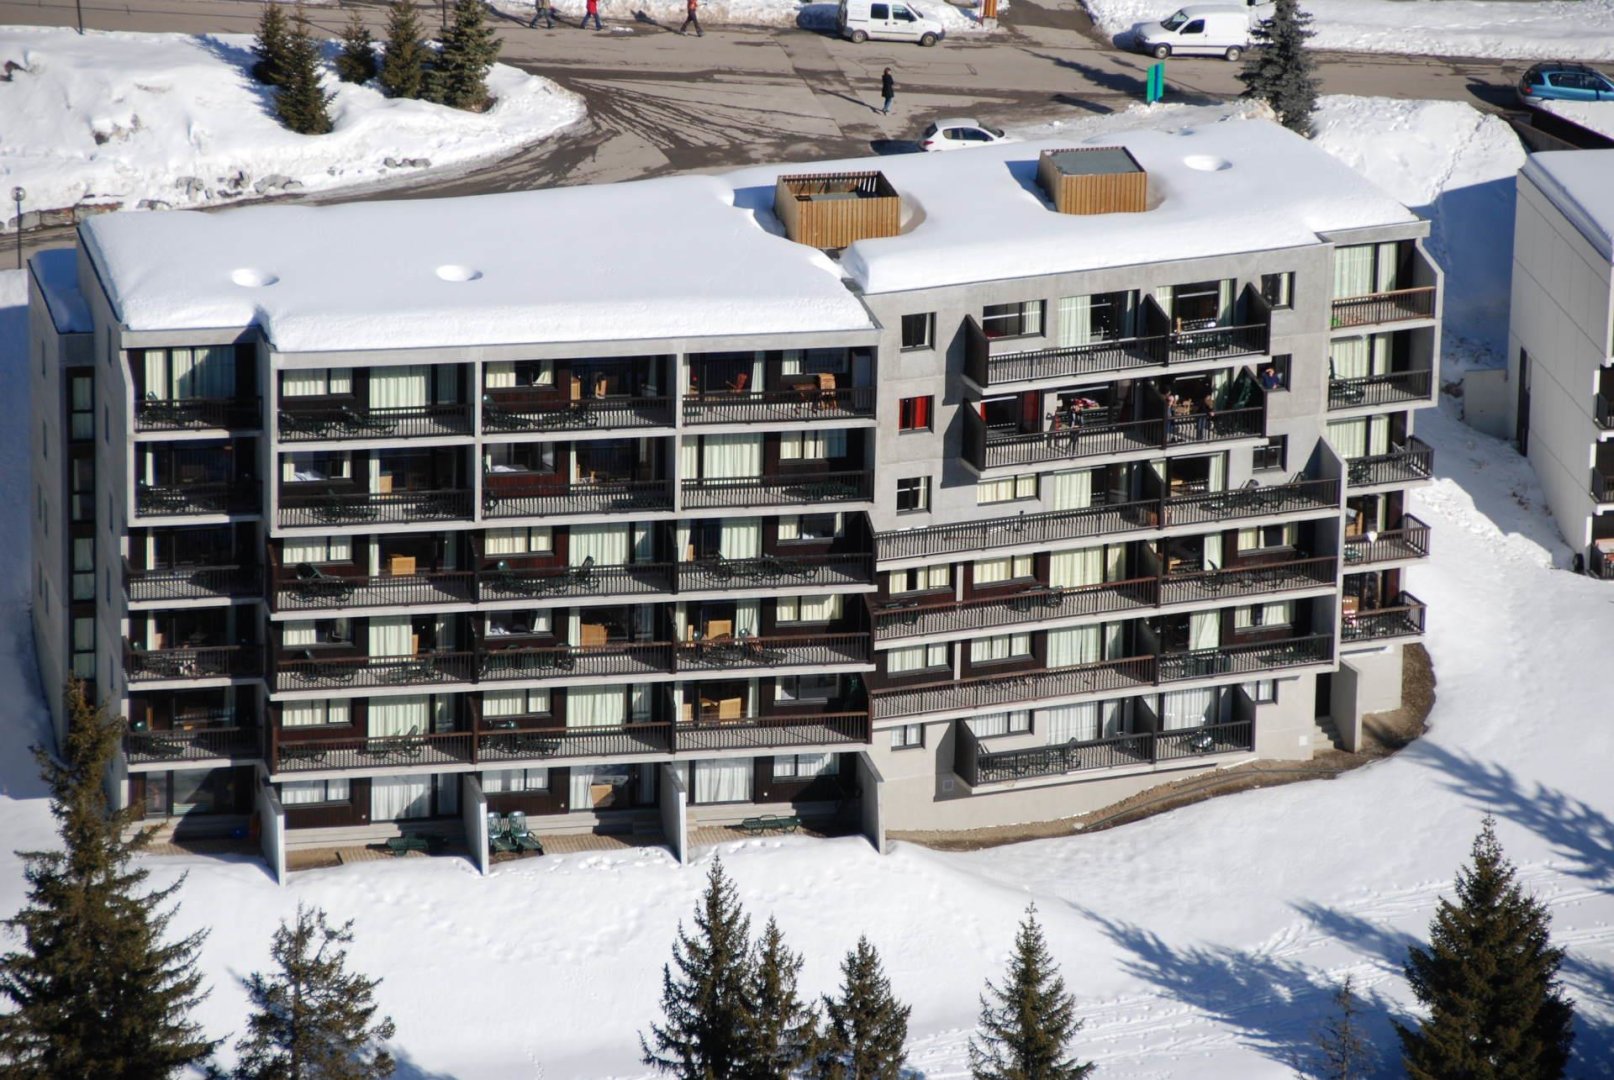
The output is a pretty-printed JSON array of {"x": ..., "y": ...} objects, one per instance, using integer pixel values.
[{"x": 1564, "y": 82}]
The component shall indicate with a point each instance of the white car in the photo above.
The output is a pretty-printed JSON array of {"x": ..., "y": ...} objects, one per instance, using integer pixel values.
[{"x": 958, "y": 134}]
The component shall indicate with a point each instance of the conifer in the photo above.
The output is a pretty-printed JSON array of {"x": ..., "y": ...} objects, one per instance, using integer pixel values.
[
  {"x": 867, "y": 1027},
  {"x": 1027, "y": 1023},
  {"x": 403, "y": 64},
  {"x": 1342, "y": 1049},
  {"x": 356, "y": 62},
  {"x": 273, "y": 45},
  {"x": 469, "y": 49},
  {"x": 786, "y": 1027},
  {"x": 96, "y": 989},
  {"x": 301, "y": 101},
  {"x": 1280, "y": 69}
]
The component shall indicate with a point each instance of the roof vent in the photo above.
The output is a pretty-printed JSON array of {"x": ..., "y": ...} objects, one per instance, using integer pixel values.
[
  {"x": 831, "y": 210},
  {"x": 1094, "y": 180}
]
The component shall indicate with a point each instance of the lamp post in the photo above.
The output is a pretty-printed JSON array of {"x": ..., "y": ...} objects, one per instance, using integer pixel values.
[{"x": 17, "y": 196}]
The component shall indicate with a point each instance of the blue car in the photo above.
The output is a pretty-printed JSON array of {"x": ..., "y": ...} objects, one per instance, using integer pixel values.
[{"x": 1564, "y": 82}]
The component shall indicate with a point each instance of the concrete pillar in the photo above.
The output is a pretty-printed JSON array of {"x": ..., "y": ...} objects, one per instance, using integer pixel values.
[
  {"x": 870, "y": 788},
  {"x": 271, "y": 829},
  {"x": 674, "y": 802},
  {"x": 474, "y": 812}
]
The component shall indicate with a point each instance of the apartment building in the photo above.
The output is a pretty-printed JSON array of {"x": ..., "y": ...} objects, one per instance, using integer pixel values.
[
  {"x": 901, "y": 494},
  {"x": 1561, "y": 342}
]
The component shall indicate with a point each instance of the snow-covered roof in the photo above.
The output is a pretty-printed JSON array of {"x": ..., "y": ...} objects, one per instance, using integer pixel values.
[
  {"x": 700, "y": 255},
  {"x": 1594, "y": 116},
  {"x": 1580, "y": 184},
  {"x": 56, "y": 270}
]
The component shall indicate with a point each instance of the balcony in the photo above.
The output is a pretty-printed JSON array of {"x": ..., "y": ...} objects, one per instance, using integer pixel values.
[
  {"x": 554, "y": 497},
  {"x": 197, "y": 499},
  {"x": 310, "y": 672},
  {"x": 350, "y": 422},
  {"x": 566, "y": 661},
  {"x": 382, "y": 751},
  {"x": 978, "y": 767},
  {"x": 774, "y": 572},
  {"x": 1253, "y": 659},
  {"x": 333, "y": 507},
  {"x": 1402, "y": 465},
  {"x": 512, "y": 411},
  {"x": 163, "y": 583},
  {"x": 1410, "y": 541},
  {"x": 728, "y": 653},
  {"x": 1240, "y": 581},
  {"x": 1398, "y": 305},
  {"x": 311, "y": 593},
  {"x": 634, "y": 579},
  {"x": 545, "y": 743},
  {"x": 197, "y": 414},
  {"x": 192, "y": 662},
  {"x": 1394, "y": 388},
  {"x": 1404, "y": 618},
  {"x": 200, "y": 744},
  {"x": 765, "y": 733},
  {"x": 898, "y": 619},
  {"x": 779, "y": 490},
  {"x": 1603, "y": 409},
  {"x": 1602, "y": 486},
  {"x": 996, "y": 690},
  {"x": 988, "y": 448},
  {"x": 808, "y": 402},
  {"x": 757, "y": 733}
]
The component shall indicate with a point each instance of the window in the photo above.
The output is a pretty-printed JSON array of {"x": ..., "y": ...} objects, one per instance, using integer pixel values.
[
  {"x": 1278, "y": 289},
  {"x": 809, "y": 609},
  {"x": 316, "y": 465},
  {"x": 913, "y": 413},
  {"x": 1271, "y": 454},
  {"x": 1017, "y": 722},
  {"x": 810, "y": 527},
  {"x": 84, "y": 647},
  {"x": 310, "y": 792},
  {"x": 300, "y": 633},
  {"x": 497, "y": 781},
  {"x": 807, "y": 688},
  {"x": 908, "y": 737},
  {"x": 1264, "y": 692},
  {"x": 1008, "y": 489},
  {"x": 916, "y": 658},
  {"x": 805, "y": 766},
  {"x": 919, "y": 579},
  {"x": 1021, "y": 319},
  {"x": 913, "y": 494},
  {"x": 1000, "y": 647},
  {"x": 1275, "y": 375},
  {"x": 879, "y": 12},
  {"x": 83, "y": 568},
  {"x": 317, "y": 549},
  {"x": 812, "y": 445},
  {"x": 1269, "y": 536},
  {"x": 520, "y": 541},
  {"x": 81, "y": 475},
  {"x": 1264, "y": 616},
  {"x": 1195, "y": 27},
  {"x": 316, "y": 382},
  {"x": 497, "y": 703},
  {"x": 919, "y": 331},
  {"x": 323, "y": 713},
  {"x": 1008, "y": 568}
]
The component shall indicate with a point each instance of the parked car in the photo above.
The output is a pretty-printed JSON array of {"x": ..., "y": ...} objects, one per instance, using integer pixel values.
[
  {"x": 959, "y": 134},
  {"x": 1201, "y": 30},
  {"x": 1564, "y": 82},
  {"x": 886, "y": 20}
]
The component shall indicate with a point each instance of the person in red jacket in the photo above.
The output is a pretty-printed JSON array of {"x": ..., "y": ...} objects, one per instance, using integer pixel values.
[
  {"x": 591, "y": 11},
  {"x": 691, "y": 20}
]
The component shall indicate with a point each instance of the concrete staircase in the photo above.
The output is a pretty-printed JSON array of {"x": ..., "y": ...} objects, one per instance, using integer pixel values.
[{"x": 1324, "y": 735}]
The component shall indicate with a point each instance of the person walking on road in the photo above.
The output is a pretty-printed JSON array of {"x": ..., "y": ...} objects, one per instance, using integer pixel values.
[
  {"x": 691, "y": 20},
  {"x": 888, "y": 90},
  {"x": 545, "y": 10},
  {"x": 591, "y": 11}
]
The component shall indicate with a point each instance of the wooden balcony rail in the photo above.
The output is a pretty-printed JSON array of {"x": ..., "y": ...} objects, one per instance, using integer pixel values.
[
  {"x": 1410, "y": 541},
  {"x": 195, "y": 500},
  {"x": 141, "y": 747},
  {"x": 771, "y": 732},
  {"x": 193, "y": 662},
  {"x": 583, "y": 497},
  {"x": 775, "y": 571},
  {"x": 749, "y": 652},
  {"x": 778, "y": 406},
  {"x": 547, "y": 411},
  {"x": 1225, "y": 584},
  {"x": 994, "y": 690},
  {"x": 1398, "y": 305},
  {"x": 304, "y": 755},
  {"x": 190, "y": 582},
  {"x": 330, "y": 591},
  {"x": 897, "y": 619},
  {"x": 559, "y": 661},
  {"x": 1404, "y": 618},
  {"x": 978, "y": 766},
  {"x": 986, "y": 449},
  {"x": 529, "y": 744},
  {"x": 373, "y": 422},
  {"x": 1246, "y": 659},
  {"x": 1389, "y": 389},
  {"x": 1401, "y": 465},
  {"x": 632, "y": 579},
  {"x": 779, "y": 490},
  {"x": 331, "y": 507},
  {"x": 340, "y": 672},
  {"x": 190, "y": 414}
]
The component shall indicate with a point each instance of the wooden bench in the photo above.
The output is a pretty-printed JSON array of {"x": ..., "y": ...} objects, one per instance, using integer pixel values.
[{"x": 771, "y": 823}]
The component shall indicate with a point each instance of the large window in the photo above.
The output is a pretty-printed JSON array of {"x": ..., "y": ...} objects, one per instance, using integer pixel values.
[
  {"x": 919, "y": 331},
  {"x": 1008, "y": 489},
  {"x": 919, "y": 579},
  {"x": 811, "y": 527},
  {"x": 83, "y": 568},
  {"x": 805, "y": 766},
  {"x": 1017, "y": 722},
  {"x": 808, "y": 609},
  {"x": 1264, "y": 616},
  {"x": 323, "y": 713},
  {"x": 317, "y": 549},
  {"x": 1021, "y": 319},
  {"x": 917, "y": 658},
  {"x": 1000, "y": 647},
  {"x": 913, "y": 413},
  {"x": 313, "y": 792},
  {"x": 913, "y": 494},
  {"x": 1365, "y": 269},
  {"x": 84, "y": 647},
  {"x": 1100, "y": 317},
  {"x": 1007, "y": 568},
  {"x": 499, "y": 781},
  {"x": 812, "y": 445},
  {"x": 1271, "y": 455},
  {"x": 807, "y": 688},
  {"x": 316, "y": 382},
  {"x": 81, "y": 418},
  {"x": 519, "y": 541},
  {"x": 1278, "y": 289},
  {"x": 908, "y": 737}
]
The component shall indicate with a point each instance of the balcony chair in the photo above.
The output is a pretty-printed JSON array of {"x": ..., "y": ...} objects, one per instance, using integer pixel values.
[
  {"x": 507, "y": 580},
  {"x": 390, "y": 746},
  {"x": 499, "y": 841},
  {"x": 1343, "y": 393},
  {"x": 419, "y": 669},
  {"x": 314, "y": 584},
  {"x": 316, "y": 425},
  {"x": 335, "y": 508},
  {"x": 582, "y": 575},
  {"x": 739, "y": 384},
  {"x": 324, "y": 670},
  {"x": 522, "y": 836},
  {"x": 355, "y": 424}
]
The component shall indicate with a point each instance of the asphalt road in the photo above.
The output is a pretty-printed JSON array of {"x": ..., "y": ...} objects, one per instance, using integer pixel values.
[{"x": 660, "y": 102}]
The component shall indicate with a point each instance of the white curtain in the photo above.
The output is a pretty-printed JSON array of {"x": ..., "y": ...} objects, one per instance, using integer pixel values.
[
  {"x": 372, "y": 548},
  {"x": 1078, "y": 645},
  {"x": 1112, "y": 719},
  {"x": 1187, "y": 708},
  {"x": 812, "y": 445},
  {"x": 157, "y": 375},
  {"x": 1280, "y": 613},
  {"x": 689, "y": 458},
  {"x": 1380, "y": 363},
  {"x": 498, "y": 375},
  {"x": 731, "y": 456},
  {"x": 593, "y": 707},
  {"x": 639, "y": 703},
  {"x": 1384, "y": 268},
  {"x": 304, "y": 792},
  {"x": 1075, "y": 320},
  {"x": 1349, "y": 437},
  {"x": 314, "y": 713},
  {"x": 375, "y": 476},
  {"x": 1071, "y": 490},
  {"x": 581, "y": 797},
  {"x": 406, "y": 715},
  {"x": 1212, "y": 551},
  {"x": 916, "y": 657},
  {"x": 398, "y": 798},
  {"x": 1224, "y": 302},
  {"x": 741, "y": 538},
  {"x": 1115, "y": 641},
  {"x": 504, "y": 702},
  {"x": 297, "y": 633},
  {"x": 1353, "y": 271},
  {"x": 314, "y": 382},
  {"x": 390, "y": 636},
  {"x": 1348, "y": 358},
  {"x": 790, "y": 362},
  {"x": 999, "y": 647},
  {"x": 1378, "y": 435},
  {"x": 607, "y": 544},
  {"x": 1072, "y": 569},
  {"x": 1115, "y": 562},
  {"x": 644, "y": 543},
  {"x": 746, "y": 617},
  {"x": 398, "y": 387},
  {"x": 1162, "y": 296},
  {"x": 723, "y": 781},
  {"x": 443, "y": 633},
  {"x": 1204, "y": 630},
  {"x": 1069, "y": 723},
  {"x": 207, "y": 371}
]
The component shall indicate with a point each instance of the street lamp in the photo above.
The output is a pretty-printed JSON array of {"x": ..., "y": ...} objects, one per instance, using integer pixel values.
[{"x": 17, "y": 196}]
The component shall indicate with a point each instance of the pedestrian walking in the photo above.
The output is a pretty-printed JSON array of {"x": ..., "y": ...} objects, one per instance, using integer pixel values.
[
  {"x": 545, "y": 10},
  {"x": 592, "y": 11},
  {"x": 691, "y": 20},
  {"x": 888, "y": 90}
]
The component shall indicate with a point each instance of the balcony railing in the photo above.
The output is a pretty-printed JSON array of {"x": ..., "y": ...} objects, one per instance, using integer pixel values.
[
  {"x": 898, "y": 619},
  {"x": 977, "y": 766},
  {"x": 329, "y": 591},
  {"x": 1603, "y": 408},
  {"x": 549, "y": 412},
  {"x": 193, "y": 662},
  {"x": 449, "y": 748},
  {"x": 987, "y": 370},
  {"x": 367, "y": 507},
  {"x": 1402, "y": 465},
  {"x": 545, "y": 743},
  {"x": 1218, "y": 342},
  {"x": 632, "y": 579},
  {"x": 986, "y": 449},
  {"x": 1393, "y": 388},
  {"x": 347, "y": 422},
  {"x": 1410, "y": 541},
  {"x": 1602, "y": 486},
  {"x": 1246, "y": 659},
  {"x": 786, "y": 490},
  {"x": 559, "y": 661},
  {"x": 191, "y": 582},
  {"x": 775, "y": 571},
  {"x": 779, "y": 406},
  {"x": 194, "y": 500},
  {"x": 141, "y": 747},
  {"x": 1404, "y": 618},
  {"x": 1398, "y": 305},
  {"x": 771, "y": 732},
  {"x": 752, "y": 652},
  {"x": 597, "y": 497},
  {"x": 311, "y": 672},
  {"x": 1237, "y": 581},
  {"x": 995, "y": 690},
  {"x": 191, "y": 414}
]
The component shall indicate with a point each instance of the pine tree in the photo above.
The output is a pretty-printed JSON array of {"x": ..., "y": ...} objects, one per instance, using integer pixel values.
[
  {"x": 1027, "y": 1023},
  {"x": 312, "y": 1018},
  {"x": 403, "y": 65},
  {"x": 1343, "y": 1051},
  {"x": 867, "y": 1026},
  {"x": 1280, "y": 70},
  {"x": 707, "y": 1001},
  {"x": 469, "y": 49},
  {"x": 96, "y": 990},
  {"x": 300, "y": 101},
  {"x": 356, "y": 62},
  {"x": 1489, "y": 980},
  {"x": 786, "y": 1027},
  {"x": 273, "y": 47}
]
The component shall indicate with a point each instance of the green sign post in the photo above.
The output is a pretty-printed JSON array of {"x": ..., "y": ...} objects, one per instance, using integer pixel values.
[{"x": 1155, "y": 88}]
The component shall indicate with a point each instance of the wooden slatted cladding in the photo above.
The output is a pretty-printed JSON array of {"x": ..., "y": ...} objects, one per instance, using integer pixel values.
[
  {"x": 831, "y": 210},
  {"x": 1094, "y": 180}
]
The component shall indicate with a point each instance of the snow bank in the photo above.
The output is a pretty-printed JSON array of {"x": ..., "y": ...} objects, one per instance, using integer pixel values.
[
  {"x": 809, "y": 14},
  {"x": 1595, "y": 116},
  {"x": 160, "y": 120},
  {"x": 1499, "y": 29}
]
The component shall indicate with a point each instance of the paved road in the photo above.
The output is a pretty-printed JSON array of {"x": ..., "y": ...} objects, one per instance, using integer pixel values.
[{"x": 659, "y": 102}]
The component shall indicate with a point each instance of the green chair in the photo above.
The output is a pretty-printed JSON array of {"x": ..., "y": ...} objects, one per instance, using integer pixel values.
[
  {"x": 522, "y": 836},
  {"x": 498, "y": 836}
]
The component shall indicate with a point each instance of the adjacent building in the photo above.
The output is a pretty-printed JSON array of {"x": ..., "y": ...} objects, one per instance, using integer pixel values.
[{"x": 903, "y": 494}]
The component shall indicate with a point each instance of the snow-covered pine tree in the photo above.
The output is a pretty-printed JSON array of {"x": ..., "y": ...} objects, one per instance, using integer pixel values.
[
  {"x": 1489, "y": 980},
  {"x": 313, "y": 1019},
  {"x": 403, "y": 64},
  {"x": 706, "y": 992},
  {"x": 1027, "y": 1023},
  {"x": 273, "y": 45},
  {"x": 356, "y": 62},
  {"x": 1342, "y": 1050},
  {"x": 300, "y": 101},
  {"x": 470, "y": 47},
  {"x": 1280, "y": 70},
  {"x": 786, "y": 1026},
  {"x": 96, "y": 990},
  {"x": 867, "y": 1027}
]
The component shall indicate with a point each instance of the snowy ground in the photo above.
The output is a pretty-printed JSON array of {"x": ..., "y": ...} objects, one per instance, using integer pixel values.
[
  {"x": 810, "y": 14},
  {"x": 176, "y": 120},
  {"x": 1200, "y": 943},
  {"x": 1500, "y": 29}
]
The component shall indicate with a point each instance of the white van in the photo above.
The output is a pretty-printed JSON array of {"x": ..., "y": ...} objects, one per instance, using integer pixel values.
[
  {"x": 888, "y": 20},
  {"x": 1201, "y": 30}
]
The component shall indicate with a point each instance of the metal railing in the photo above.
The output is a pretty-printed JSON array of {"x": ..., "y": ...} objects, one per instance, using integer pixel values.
[
  {"x": 329, "y": 591},
  {"x": 526, "y": 744},
  {"x": 363, "y": 507},
  {"x": 994, "y": 690},
  {"x": 187, "y": 414},
  {"x": 988, "y": 450},
  {"x": 1603, "y": 409},
  {"x": 1237, "y": 581},
  {"x": 1099, "y": 357},
  {"x": 779, "y": 490},
  {"x": 1207, "y": 507},
  {"x": 600, "y": 497},
  {"x": 978, "y": 766},
  {"x": 631, "y": 579},
  {"x": 1392, "y": 388},
  {"x": 303, "y": 755},
  {"x": 193, "y": 662},
  {"x": 549, "y": 412},
  {"x": 1229, "y": 738},
  {"x": 1246, "y": 659},
  {"x": 1404, "y": 618},
  {"x": 748, "y": 652},
  {"x": 339, "y": 672},
  {"x": 190, "y": 582},
  {"x": 1602, "y": 485},
  {"x": 774, "y": 571},
  {"x": 192, "y": 500},
  {"x": 1410, "y": 541},
  {"x": 1401, "y": 465},
  {"x": 1397, "y": 305},
  {"x": 769, "y": 732},
  {"x": 777, "y": 406},
  {"x": 373, "y": 422},
  {"x": 142, "y": 747},
  {"x": 1218, "y": 342},
  {"x": 560, "y": 661},
  {"x": 896, "y": 619}
]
